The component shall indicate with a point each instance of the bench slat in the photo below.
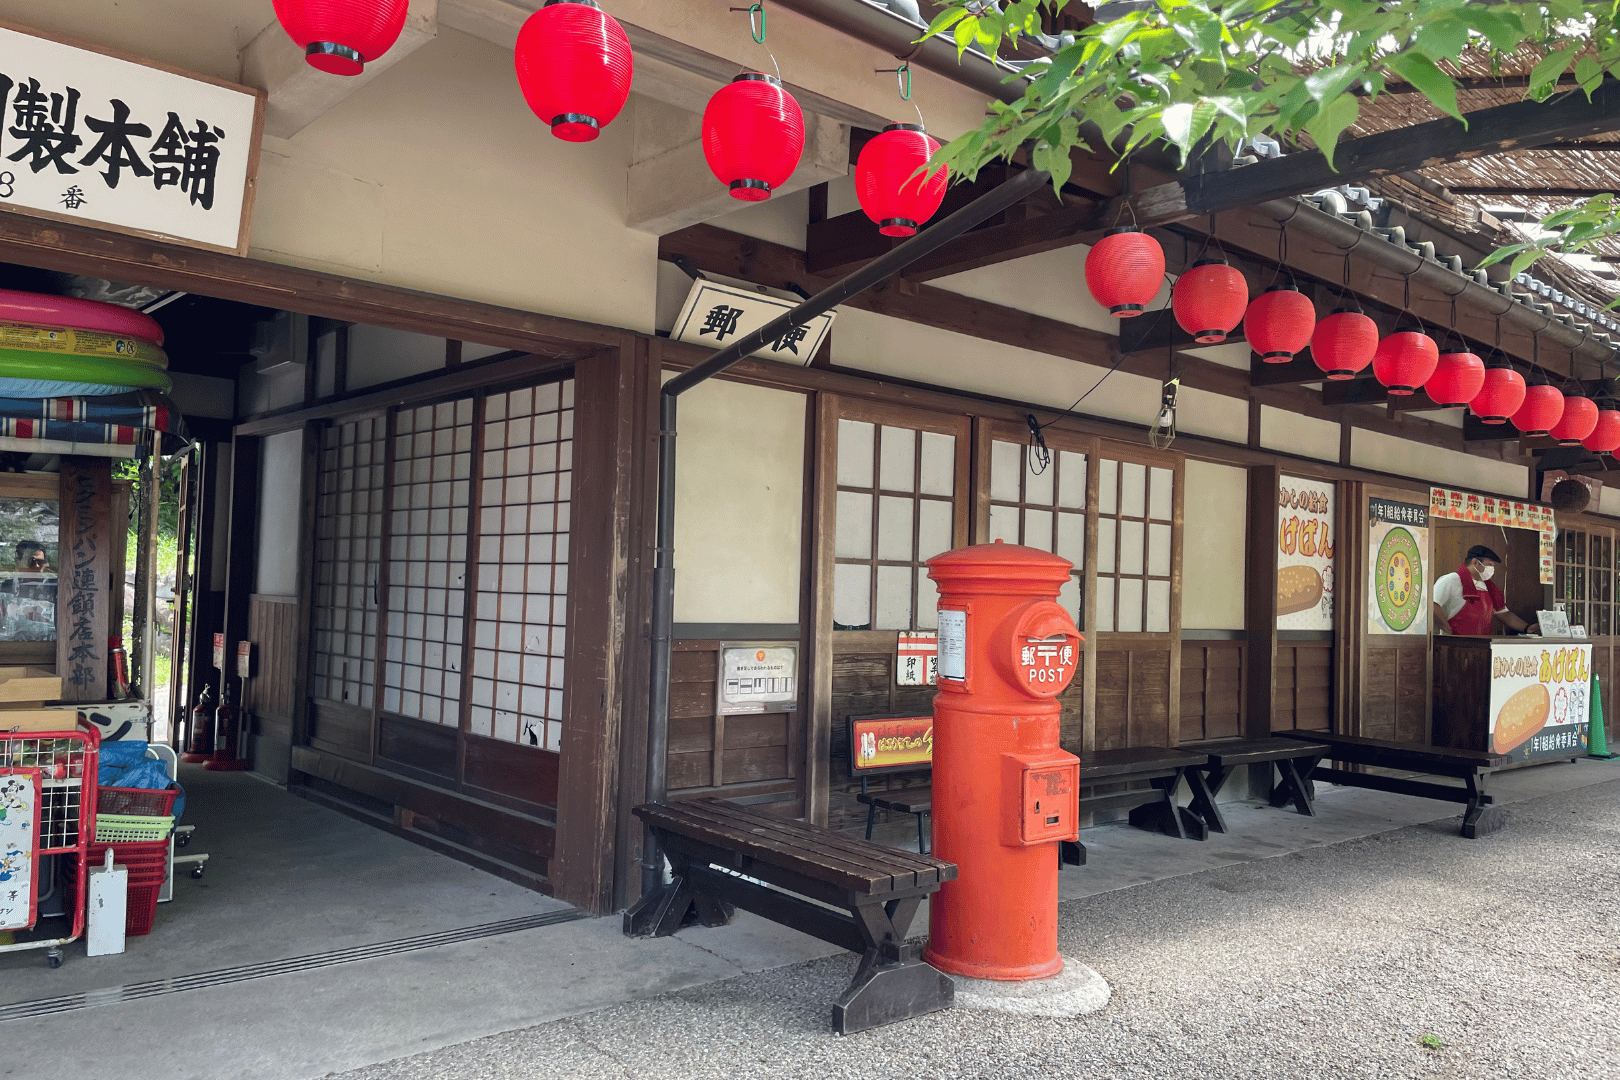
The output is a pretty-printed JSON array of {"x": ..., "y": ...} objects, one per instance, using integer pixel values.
[
  {"x": 905, "y": 868},
  {"x": 1442, "y": 760},
  {"x": 1258, "y": 751},
  {"x": 1134, "y": 759},
  {"x": 906, "y": 801},
  {"x": 747, "y": 843}
]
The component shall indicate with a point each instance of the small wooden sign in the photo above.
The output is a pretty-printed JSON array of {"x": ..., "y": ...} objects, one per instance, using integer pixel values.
[
  {"x": 884, "y": 744},
  {"x": 244, "y": 659},
  {"x": 219, "y": 652},
  {"x": 84, "y": 578}
]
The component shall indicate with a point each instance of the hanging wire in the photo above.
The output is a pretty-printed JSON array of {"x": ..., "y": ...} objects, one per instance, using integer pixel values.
[
  {"x": 1158, "y": 314},
  {"x": 1040, "y": 458}
]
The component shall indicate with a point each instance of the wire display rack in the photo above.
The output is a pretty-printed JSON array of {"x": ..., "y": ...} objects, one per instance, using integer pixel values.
[{"x": 68, "y": 763}]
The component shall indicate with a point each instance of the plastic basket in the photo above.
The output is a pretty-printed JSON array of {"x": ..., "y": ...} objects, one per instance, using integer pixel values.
[
  {"x": 141, "y": 859},
  {"x": 126, "y": 829},
  {"x": 136, "y": 802},
  {"x": 140, "y": 909}
]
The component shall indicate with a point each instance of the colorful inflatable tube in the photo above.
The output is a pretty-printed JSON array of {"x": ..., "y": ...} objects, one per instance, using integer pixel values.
[
  {"x": 83, "y": 344},
  {"x": 120, "y": 373},
  {"x": 72, "y": 313}
]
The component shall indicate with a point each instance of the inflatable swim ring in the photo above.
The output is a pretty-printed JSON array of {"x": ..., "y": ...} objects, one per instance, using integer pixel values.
[
  {"x": 72, "y": 313},
  {"x": 51, "y": 341},
  {"x": 45, "y": 388},
  {"x": 121, "y": 372}
]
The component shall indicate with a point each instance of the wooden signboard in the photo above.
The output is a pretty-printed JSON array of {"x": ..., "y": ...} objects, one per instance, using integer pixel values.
[
  {"x": 84, "y": 586},
  {"x": 887, "y": 744},
  {"x": 126, "y": 144}
]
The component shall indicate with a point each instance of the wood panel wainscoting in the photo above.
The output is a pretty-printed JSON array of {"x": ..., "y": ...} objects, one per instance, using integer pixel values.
[
  {"x": 270, "y": 697},
  {"x": 1395, "y": 690},
  {"x": 1211, "y": 689},
  {"x": 752, "y": 758},
  {"x": 1302, "y": 689}
]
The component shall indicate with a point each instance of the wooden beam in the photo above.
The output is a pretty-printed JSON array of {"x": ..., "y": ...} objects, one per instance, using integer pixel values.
[
  {"x": 1518, "y": 126},
  {"x": 1477, "y": 430},
  {"x": 1534, "y": 192},
  {"x": 835, "y": 246},
  {"x": 1363, "y": 391},
  {"x": 1301, "y": 369},
  {"x": 1151, "y": 332}
]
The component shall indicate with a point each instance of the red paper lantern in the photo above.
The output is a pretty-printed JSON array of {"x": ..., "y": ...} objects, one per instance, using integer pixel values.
[
  {"x": 1543, "y": 407},
  {"x": 1209, "y": 300},
  {"x": 574, "y": 65},
  {"x": 753, "y": 135},
  {"x": 1405, "y": 360},
  {"x": 1124, "y": 271},
  {"x": 1605, "y": 436},
  {"x": 886, "y": 186},
  {"x": 1343, "y": 344},
  {"x": 1457, "y": 378},
  {"x": 342, "y": 36},
  {"x": 1279, "y": 323},
  {"x": 1579, "y": 418},
  {"x": 1501, "y": 395}
]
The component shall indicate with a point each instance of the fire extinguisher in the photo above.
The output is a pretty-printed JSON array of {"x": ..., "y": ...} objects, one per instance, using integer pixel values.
[
  {"x": 225, "y": 757},
  {"x": 117, "y": 668},
  {"x": 201, "y": 746}
]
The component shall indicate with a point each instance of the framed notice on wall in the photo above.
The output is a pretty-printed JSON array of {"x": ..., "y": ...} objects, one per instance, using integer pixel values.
[
  {"x": 758, "y": 678},
  {"x": 1304, "y": 554},
  {"x": 1399, "y": 580},
  {"x": 1540, "y": 707},
  {"x": 125, "y": 144}
]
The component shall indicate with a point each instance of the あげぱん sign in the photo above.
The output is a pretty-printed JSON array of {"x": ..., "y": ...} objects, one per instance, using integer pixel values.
[{"x": 890, "y": 742}]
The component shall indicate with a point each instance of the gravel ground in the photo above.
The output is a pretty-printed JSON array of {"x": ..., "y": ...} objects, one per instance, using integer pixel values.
[{"x": 1501, "y": 954}]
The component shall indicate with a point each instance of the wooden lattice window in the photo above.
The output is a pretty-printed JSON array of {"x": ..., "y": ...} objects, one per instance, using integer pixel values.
[
  {"x": 896, "y": 509},
  {"x": 1583, "y": 578},
  {"x": 348, "y": 558},
  {"x": 522, "y": 596},
  {"x": 1135, "y": 540},
  {"x": 427, "y": 561},
  {"x": 1042, "y": 505}
]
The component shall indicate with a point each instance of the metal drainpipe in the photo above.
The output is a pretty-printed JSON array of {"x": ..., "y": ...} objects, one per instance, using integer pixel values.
[
  {"x": 875, "y": 272},
  {"x": 1300, "y": 215}
]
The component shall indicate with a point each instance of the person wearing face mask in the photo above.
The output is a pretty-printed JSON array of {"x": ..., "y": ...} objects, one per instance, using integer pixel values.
[{"x": 1466, "y": 601}]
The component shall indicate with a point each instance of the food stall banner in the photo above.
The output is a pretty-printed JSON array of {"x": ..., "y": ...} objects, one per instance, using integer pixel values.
[
  {"x": 1304, "y": 554},
  {"x": 132, "y": 146},
  {"x": 1452, "y": 505},
  {"x": 1398, "y": 567},
  {"x": 1539, "y": 700},
  {"x": 890, "y": 743}
]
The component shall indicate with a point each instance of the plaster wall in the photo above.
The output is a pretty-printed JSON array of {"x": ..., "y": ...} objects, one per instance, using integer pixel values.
[
  {"x": 1293, "y": 433},
  {"x": 1385, "y": 453},
  {"x": 739, "y": 504},
  {"x": 280, "y": 467},
  {"x": 1212, "y": 557}
]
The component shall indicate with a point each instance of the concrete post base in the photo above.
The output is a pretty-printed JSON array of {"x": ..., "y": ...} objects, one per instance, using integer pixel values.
[{"x": 1074, "y": 991}]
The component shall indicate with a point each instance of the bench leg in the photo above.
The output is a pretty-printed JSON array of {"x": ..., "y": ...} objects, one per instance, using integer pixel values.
[
  {"x": 923, "y": 845},
  {"x": 673, "y": 906},
  {"x": 1295, "y": 787},
  {"x": 1165, "y": 816},
  {"x": 892, "y": 983},
  {"x": 1481, "y": 818},
  {"x": 1203, "y": 796},
  {"x": 1071, "y": 853},
  {"x": 871, "y": 816}
]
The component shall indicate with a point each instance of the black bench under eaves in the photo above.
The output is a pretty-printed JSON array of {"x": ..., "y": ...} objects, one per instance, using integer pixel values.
[{"x": 712, "y": 844}]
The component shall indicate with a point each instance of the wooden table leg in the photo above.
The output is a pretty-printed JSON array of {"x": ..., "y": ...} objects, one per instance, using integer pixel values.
[
  {"x": 1295, "y": 787},
  {"x": 661, "y": 913},
  {"x": 1480, "y": 818}
]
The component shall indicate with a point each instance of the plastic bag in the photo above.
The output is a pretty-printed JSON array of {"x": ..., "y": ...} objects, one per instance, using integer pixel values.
[{"x": 125, "y": 764}]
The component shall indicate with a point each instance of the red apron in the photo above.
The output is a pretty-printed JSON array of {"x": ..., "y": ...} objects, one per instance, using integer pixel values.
[{"x": 1478, "y": 608}]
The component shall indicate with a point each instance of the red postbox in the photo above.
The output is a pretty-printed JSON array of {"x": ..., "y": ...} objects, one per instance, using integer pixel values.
[{"x": 1005, "y": 792}]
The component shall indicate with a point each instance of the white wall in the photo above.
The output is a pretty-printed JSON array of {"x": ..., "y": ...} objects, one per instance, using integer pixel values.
[
  {"x": 280, "y": 474},
  {"x": 1293, "y": 433},
  {"x": 1385, "y": 453},
  {"x": 1212, "y": 553},
  {"x": 739, "y": 504}
]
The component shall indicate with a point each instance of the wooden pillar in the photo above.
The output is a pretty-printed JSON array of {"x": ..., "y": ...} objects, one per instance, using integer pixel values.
[
  {"x": 241, "y": 560},
  {"x": 84, "y": 577},
  {"x": 607, "y": 642},
  {"x": 1260, "y": 609}
]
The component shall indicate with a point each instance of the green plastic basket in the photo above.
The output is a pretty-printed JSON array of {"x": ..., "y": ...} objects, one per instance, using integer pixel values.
[{"x": 124, "y": 829}]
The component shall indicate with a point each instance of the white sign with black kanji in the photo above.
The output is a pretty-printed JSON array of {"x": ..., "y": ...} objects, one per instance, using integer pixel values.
[
  {"x": 89, "y": 137},
  {"x": 716, "y": 315}
]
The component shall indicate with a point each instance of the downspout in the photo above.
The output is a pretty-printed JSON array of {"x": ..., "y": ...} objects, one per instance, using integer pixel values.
[
  {"x": 882, "y": 268},
  {"x": 1297, "y": 214}
]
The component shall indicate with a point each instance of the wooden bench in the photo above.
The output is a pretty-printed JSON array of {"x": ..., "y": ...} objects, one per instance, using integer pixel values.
[
  {"x": 1471, "y": 766},
  {"x": 711, "y": 844},
  {"x": 1153, "y": 807},
  {"x": 1294, "y": 759},
  {"x": 917, "y": 801}
]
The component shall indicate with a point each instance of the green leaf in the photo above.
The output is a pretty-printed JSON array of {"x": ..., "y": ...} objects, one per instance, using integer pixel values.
[
  {"x": 965, "y": 33},
  {"x": 1589, "y": 73},
  {"x": 1331, "y": 82},
  {"x": 1186, "y": 122},
  {"x": 1549, "y": 68},
  {"x": 1054, "y": 160},
  {"x": 1524, "y": 260},
  {"x": 1504, "y": 31},
  {"x": 1442, "y": 40},
  {"x": 1330, "y": 121},
  {"x": 1501, "y": 253},
  {"x": 1429, "y": 80}
]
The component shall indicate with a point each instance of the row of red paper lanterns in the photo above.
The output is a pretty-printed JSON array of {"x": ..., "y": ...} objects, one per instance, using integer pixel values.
[
  {"x": 1126, "y": 269},
  {"x": 574, "y": 65}
]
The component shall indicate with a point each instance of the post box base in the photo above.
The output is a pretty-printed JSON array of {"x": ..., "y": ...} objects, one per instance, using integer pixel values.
[
  {"x": 1074, "y": 991},
  {"x": 957, "y": 968}
]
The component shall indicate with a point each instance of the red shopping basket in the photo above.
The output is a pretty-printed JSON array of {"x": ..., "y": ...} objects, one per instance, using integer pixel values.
[
  {"x": 148, "y": 866},
  {"x": 136, "y": 802}
]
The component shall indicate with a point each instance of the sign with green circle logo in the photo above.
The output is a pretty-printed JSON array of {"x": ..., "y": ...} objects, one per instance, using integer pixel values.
[{"x": 1398, "y": 579}]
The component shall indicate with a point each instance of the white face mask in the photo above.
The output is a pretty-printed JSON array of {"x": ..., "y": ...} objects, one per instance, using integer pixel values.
[{"x": 1487, "y": 573}]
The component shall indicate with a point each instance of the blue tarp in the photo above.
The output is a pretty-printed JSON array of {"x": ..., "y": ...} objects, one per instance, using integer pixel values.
[{"x": 125, "y": 764}]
